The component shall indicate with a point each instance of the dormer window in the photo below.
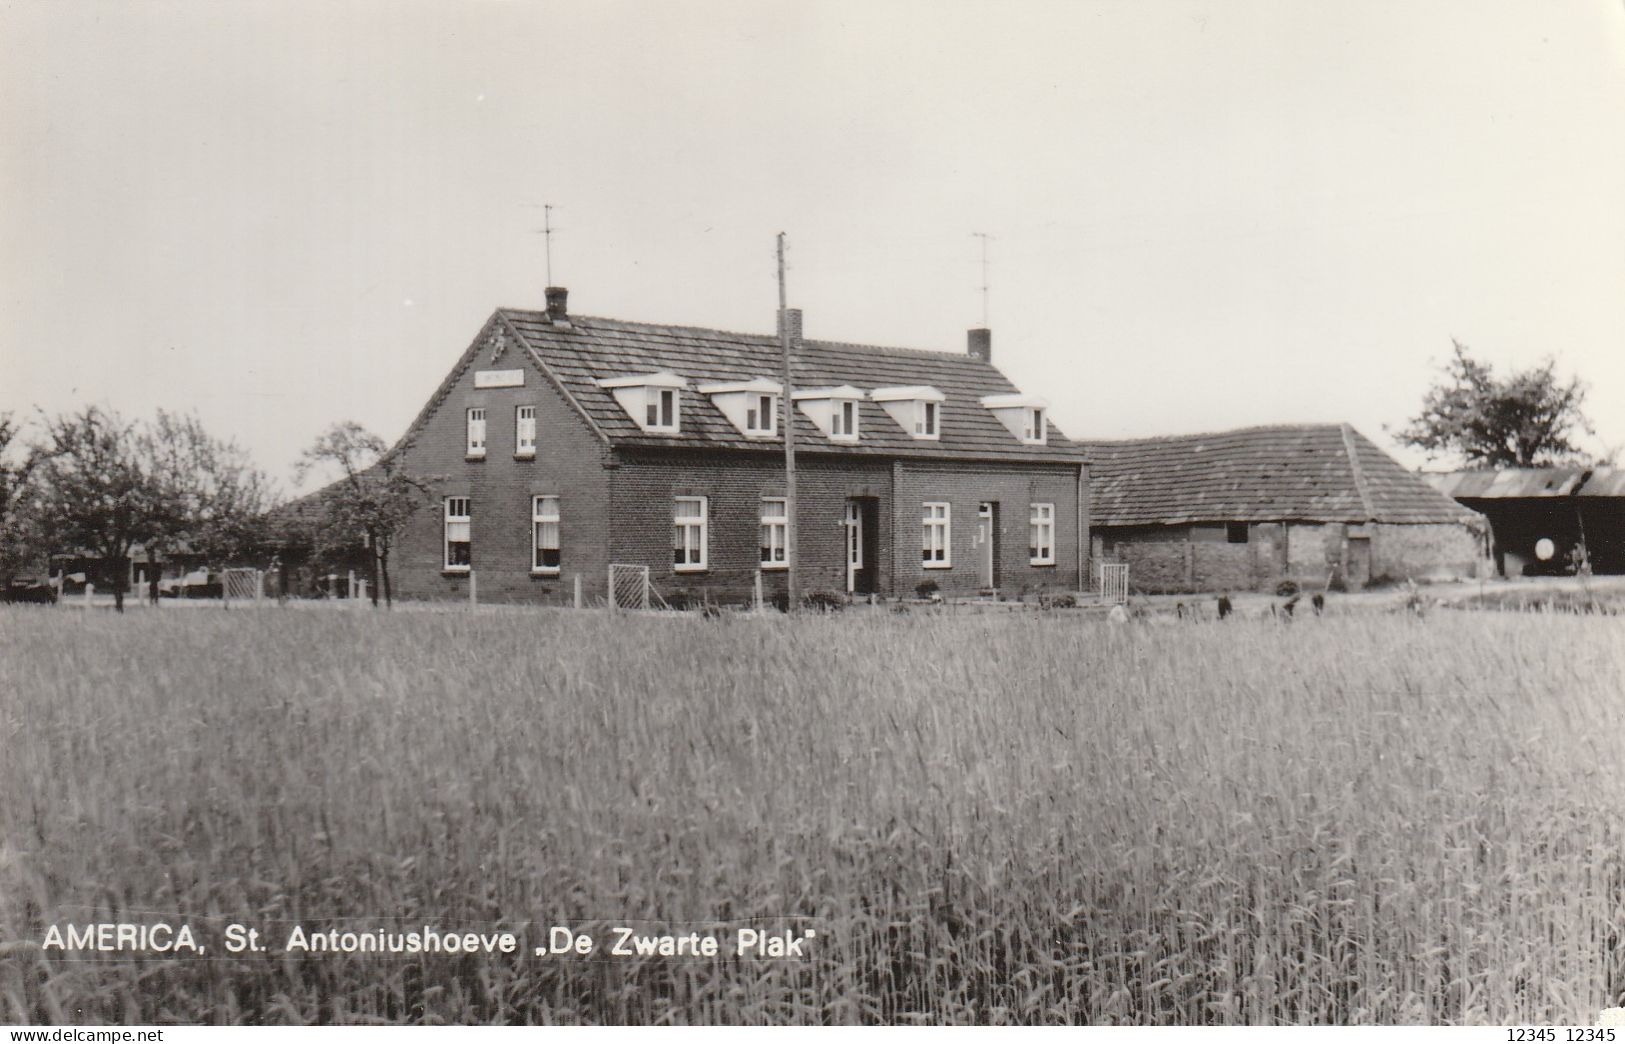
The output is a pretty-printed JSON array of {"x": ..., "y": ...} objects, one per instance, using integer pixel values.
[
  {"x": 917, "y": 410},
  {"x": 751, "y": 406},
  {"x": 652, "y": 400},
  {"x": 833, "y": 410},
  {"x": 1027, "y": 416}
]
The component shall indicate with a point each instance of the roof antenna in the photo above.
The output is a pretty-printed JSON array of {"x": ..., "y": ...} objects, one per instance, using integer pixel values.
[
  {"x": 984, "y": 237},
  {"x": 546, "y": 231}
]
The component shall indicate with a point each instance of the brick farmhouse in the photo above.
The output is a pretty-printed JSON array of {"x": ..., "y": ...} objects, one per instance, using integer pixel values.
[
  {"x": 560, "y": 444},
  {"x": 1244, "y": 510}
]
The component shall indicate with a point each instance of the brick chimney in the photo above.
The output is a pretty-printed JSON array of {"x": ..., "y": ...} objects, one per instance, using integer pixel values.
[
  {"x": 979, "y": 343},
  {"x": 792, "y": 316},
  {"x": 556, "y": 298}
]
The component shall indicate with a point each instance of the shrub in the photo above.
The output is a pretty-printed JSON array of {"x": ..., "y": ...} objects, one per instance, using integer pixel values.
[
  {"x": 824, "y": 601},
  {"x": 927, "y": 589}
]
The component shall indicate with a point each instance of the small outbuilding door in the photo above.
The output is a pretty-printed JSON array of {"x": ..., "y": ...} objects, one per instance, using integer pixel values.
[
  {"x": 862, "y": 514},
  {"x": 1359, "y": 571}
]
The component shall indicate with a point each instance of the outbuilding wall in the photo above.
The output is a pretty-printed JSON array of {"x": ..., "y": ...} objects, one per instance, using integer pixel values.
[{"x": 1181, "y": 558}]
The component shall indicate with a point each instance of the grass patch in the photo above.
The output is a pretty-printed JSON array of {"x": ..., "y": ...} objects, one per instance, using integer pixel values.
[
  {"x": 1561, "y": 601},
  {"x": 995, "y": 818}
]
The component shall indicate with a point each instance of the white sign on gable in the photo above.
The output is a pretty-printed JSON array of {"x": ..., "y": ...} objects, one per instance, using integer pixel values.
[{"x": 499, "y": 378}]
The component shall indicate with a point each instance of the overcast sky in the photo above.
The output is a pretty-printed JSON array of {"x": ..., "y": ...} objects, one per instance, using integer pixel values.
[{"x": 1205, "y": 214}]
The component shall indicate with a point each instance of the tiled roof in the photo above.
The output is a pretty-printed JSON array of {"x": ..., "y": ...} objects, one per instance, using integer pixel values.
[
  {"x": 1305, "y": 472},
  {"x": 1523, "y": 483},
  {"x": 590, "y": 349}
]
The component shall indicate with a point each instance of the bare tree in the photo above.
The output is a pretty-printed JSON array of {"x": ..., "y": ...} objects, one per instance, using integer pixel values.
[{"x": 370, "y": 502}]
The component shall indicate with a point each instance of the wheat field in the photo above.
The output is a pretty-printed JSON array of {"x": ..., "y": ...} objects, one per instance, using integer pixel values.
[{"x": 1034, "y": 818}]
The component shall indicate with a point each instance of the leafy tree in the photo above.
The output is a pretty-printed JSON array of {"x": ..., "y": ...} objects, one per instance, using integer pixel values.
[
  {"x": 102, "y": 485},
  {"x": 19, "y": 536},
  {"x": 371, "y": 501},
  {"x": 1526, "y": 419},
  {"x": 213, "y": 500},
  {"x": 95, "y": 491}
]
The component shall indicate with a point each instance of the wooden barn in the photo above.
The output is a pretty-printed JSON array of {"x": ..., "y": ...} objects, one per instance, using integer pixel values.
[
  {"x": 560, "y": 444},
  {"x": 1547, "y": 521},
  {"x": 1248, "y": 509}
]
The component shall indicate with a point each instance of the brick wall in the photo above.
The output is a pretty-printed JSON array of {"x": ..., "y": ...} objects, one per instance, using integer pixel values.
[
  {"x": 1154, "y": 566},
  {"x": 617, "y": 507},
  {"x": 1427, "y": 552},
  {"x": 1176, "y": 559},
  {"x": 1223, "y": 567},
  {"x": 1312, "y": 548},
  {"x": 1014, "y": 489},
  {"x": 568, "y": 464},
  {"x": 645, "y": 482}
]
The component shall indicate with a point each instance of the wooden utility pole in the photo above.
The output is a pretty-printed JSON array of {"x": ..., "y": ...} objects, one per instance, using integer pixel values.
[{"x": 787, "y": 424}]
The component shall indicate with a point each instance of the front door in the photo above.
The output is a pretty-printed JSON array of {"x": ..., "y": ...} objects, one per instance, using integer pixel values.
[
  {"x": 854, "y": 545},
  {"x": 987, "y": 542},
  {"x": 862, "y": 514}
]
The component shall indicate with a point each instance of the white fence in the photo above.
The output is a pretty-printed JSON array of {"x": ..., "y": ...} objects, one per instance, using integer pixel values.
[{"x": 1113, "y": 579}]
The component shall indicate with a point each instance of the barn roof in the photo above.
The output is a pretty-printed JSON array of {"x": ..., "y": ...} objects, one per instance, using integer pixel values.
[
  {"x": 1304, "y": 472},
  {"x": 588, "y": 349},
  {"x": 1527, "y": 483}
]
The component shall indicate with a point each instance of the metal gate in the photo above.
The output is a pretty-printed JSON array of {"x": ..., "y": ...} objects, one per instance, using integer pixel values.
[{"x": 628, "y": 587}]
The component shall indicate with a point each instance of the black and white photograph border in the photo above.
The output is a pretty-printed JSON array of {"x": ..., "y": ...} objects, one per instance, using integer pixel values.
[{"x": 516, "y": 514}]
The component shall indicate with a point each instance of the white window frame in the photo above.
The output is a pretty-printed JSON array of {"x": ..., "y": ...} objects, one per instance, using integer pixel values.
[
  {"x": 475, "y": 431},
  {"x": 700, "y": 527},
  {"x": 466, "y": 519},
  {"x": 838, "y": 413},
  {"x": 1036, "y": 430},
  {"x": 654, "y": 399},
  {"x": 538, "y": 518},
  {"x": 765, "y": 408},
  {"x": 774, "y": 534},
  {"x": 524, "y": 431},
  {"x": 1041, "y": 534},
  {"x": 927, "y": 419},
  {"x": 936, "y": 534}
]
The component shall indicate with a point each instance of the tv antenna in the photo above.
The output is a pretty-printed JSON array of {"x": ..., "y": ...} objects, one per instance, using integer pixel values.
[
  {"x": 546, "y": 231},
  {"x": 984, "y": 237}
]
